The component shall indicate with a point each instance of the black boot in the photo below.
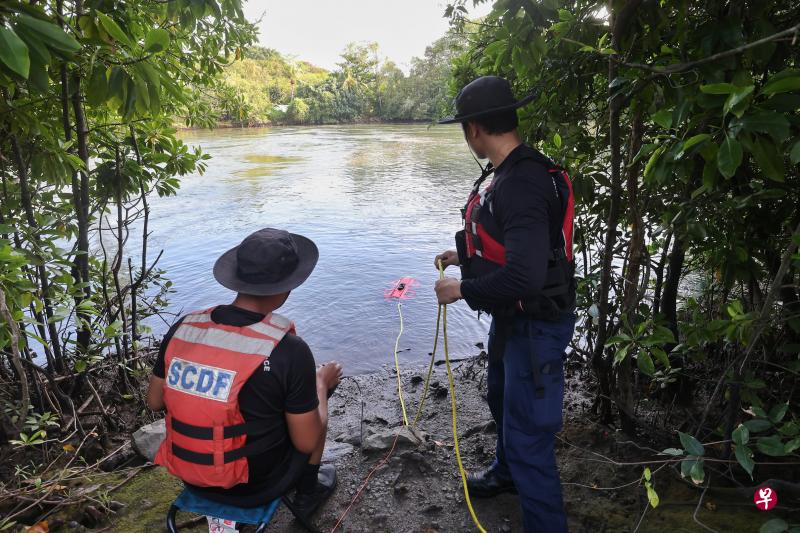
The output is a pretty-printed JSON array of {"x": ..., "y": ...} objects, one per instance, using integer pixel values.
[
  {"x": 487, "y": 484},
  {"x": 306, "y": 500}
]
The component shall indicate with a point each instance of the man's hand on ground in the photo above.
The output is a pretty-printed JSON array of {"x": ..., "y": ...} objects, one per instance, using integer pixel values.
[
  {"x": 448, "y": 258},
  {"x": 448, "y": 290},
  {"x": 329, "y": 375}
]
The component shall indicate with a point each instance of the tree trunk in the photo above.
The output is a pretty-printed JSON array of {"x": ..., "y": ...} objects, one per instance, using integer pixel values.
[
  {"x": 599, "y": 362},
  {"x": 145, "y": 228},
  {"x": 25, "y": 397},
  {"x": 82, "y": 210},
  {"x": 630, "y": 298},
  {"x": 669, "y": 303},
  {"x": 662, "y": 262},
  {"x": 56, "y": 360},
  {"x": 117, "y": 265}
]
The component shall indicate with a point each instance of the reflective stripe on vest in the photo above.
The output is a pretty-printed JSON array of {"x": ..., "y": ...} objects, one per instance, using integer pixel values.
[{"x": 206, "y": 366}]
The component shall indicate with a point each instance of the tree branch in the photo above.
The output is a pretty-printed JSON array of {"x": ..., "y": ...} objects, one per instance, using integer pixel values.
[{"x": 680, "y": 67}]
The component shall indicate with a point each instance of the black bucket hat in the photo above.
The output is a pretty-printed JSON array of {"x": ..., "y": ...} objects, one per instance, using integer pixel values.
[
  {"x": 484, "y": 96},
  {"x": 269, "y": 261}
]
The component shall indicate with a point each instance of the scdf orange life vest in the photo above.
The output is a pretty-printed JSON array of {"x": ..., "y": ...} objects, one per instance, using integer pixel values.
[{"x": 207, "y": 364}]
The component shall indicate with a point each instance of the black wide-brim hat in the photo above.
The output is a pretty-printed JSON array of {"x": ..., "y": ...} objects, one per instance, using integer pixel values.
[
  {"x": 267, "y": 262},
  {"x": 485, "y": 96}
]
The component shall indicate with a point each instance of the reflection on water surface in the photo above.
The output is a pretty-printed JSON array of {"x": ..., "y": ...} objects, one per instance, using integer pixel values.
[{"x": 379, "y": 201}]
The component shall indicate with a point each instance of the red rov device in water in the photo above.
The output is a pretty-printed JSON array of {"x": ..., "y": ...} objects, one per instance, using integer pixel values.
[{"x": 401, "y": 289}]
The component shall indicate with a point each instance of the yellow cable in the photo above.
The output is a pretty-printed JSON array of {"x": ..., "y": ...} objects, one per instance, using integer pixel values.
[
  {"x": 454, "y": 409},
  {"x": 397, "y": 364},
  {"x": 430, "y": 369}
]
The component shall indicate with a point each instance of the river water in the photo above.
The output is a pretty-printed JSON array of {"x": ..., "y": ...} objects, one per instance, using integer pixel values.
[{"x": 380, "y": 201}]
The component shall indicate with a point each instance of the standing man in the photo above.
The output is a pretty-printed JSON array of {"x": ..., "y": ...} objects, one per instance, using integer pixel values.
[
  {"x": 247, "y": 411},
  {"x": 515, "y": 254}
]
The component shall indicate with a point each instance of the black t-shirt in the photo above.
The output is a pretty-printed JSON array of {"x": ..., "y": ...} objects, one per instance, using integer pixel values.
[
  {"x": 286, "y": 385},
  {"x": 530, "y": 215}
]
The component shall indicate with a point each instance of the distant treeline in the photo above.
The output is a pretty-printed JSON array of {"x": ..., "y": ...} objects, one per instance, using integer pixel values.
[{"x": 268, "y": 87}]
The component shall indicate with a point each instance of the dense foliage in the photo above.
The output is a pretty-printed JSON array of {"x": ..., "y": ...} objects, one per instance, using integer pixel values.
[
  {"x": 89, "y": 93},
  {"x": 678, "y": 121},
  {"x": 267, "y": 87}
]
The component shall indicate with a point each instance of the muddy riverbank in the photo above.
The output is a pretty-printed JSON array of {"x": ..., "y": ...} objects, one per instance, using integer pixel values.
[{"x": 418, "y": 488}]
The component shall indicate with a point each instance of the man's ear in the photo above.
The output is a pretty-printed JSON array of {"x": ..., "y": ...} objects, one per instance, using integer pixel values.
[{"x": 473, "y": 131}]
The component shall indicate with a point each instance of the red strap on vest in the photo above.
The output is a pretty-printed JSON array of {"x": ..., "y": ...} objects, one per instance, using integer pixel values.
[{"x": 481, "y": 244}]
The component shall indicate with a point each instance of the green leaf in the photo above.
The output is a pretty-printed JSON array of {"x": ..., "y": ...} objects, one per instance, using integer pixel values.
[
  {"x": 741, "y": 435},
  {"x": 673, "y": 451},
  {"x": 621, "y": 353},
  {"x": 729, "y": 157},
  {"x": 645, "y": 363},
  {"x": 14, "y": 52},
  {"x": 735, "y": 99},
  {"x": 771, "y": 122},
  {"x": 157, "y": 40},
  {"x": 36, "y": 48},
  {"x": 38, "y": 75},
  {"x": 784, "y": 85},
  {"x": 769, "y": 159},
  {"x": 745, "y": 457},
  {"x": 663, "y": 335},
  {"x": 687, "y": 465},
  {"x": 681, "y": 112},
  {"x": 652, "y": 495},
  {"x": 663, "y": 118},
  {"x": 691, "y": 444},
  {"x": 794, "y": 154},
  {"x": 130, "y": 99},
  {"x": 150, "y": 74},
  {"x": 563, "y": 14},
  {"x": 97, "y": 90},
  {"x": 718, "y": 88},
  {"x": 651, "y": 163},
  {"x": 693, "y": 141},
  {"x": 142, "y": 95},
  {"x": 557, "y": 140},
  {"x": 697, "y": 473},
  {"x": 118, "y": 86},
  {"x": 757, "y": 425},
  {"x": 776, "y": 525},
  {"x": 661, "y": 355},
  {"x": 54, "y": 37},
  {"x": 777, "y": 412},
  {"x": 113, "y": 29},
  {"x": 792, "y": 445},
  {"x": 771, "y": 445},
  {"x": 790, "y": 429}
]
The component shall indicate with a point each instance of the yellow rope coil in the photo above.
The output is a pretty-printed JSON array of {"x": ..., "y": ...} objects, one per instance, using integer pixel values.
[
  {"x": 430, "y": 369},
  {"x": 455, "y": 415},
  {"x": 397, "y": 365}
]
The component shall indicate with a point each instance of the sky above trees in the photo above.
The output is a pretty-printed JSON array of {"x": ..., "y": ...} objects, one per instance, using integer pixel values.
[{"x": 317, "y": 32}]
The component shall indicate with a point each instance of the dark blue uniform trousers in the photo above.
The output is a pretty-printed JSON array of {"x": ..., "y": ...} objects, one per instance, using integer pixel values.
[{"x": 527, "y": 422}]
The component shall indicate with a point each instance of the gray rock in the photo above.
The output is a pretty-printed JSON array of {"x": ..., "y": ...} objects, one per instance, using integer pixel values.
[
  {"x": 335, "y": 451},
  {"x": 147, "y": 439},
  {"x": 483, "y": 427},
  {"x": 382, "y": 439},
  {"x": 352, "y": 436}
]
